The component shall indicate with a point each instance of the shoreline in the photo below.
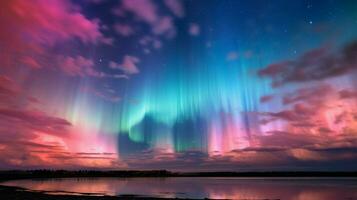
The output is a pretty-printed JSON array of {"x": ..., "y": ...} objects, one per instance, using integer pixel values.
[{"x": 17, "y": 193}]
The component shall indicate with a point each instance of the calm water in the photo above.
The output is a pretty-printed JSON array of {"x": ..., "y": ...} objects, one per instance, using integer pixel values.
[{"x": 215, "y": 188}]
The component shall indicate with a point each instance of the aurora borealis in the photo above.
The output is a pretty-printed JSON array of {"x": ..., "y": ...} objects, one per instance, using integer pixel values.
[{"x": 179, "y": 85}]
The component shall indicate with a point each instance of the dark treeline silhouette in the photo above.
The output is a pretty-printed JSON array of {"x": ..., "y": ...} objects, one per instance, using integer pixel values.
[{"x": 25, "y": 174}]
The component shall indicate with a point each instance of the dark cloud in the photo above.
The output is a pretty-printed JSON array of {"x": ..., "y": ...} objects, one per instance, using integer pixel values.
[
  {"x": 317, "y": 64},
  {"x": 312, "y": 94},
  {"x": 301, "y": 114},
  {"x": 301, "y": 155},
  {"x": 266, "y": 98},
  {"x": 347, "y": 94}
]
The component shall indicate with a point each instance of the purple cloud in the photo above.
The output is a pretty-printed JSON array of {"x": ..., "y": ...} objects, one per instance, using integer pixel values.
[
  {"x": 124, "y": 29},
  {"x": 175, "y": 7},
  {"x": 194, "y": 29},
  {"x": 128, "y": 65}
]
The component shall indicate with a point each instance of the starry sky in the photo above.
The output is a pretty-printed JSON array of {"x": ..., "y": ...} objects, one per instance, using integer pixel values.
[{"x": 187, "y": 85}]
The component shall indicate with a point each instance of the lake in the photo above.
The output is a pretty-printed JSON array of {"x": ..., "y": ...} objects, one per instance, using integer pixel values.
[{"x": 200, "y": 187}]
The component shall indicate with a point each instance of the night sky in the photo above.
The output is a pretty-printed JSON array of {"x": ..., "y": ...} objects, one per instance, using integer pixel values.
[{"x": 191, "y": 85}]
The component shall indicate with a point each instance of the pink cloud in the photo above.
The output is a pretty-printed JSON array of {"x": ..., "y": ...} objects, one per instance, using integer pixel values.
[
  {"x": 24, "y": 146},
  {"x": 31, "y": 29},
  {"x": 12, "y": 95},
  {"x": 35, "y": 120},
  {"x": 51, "y": 152},
  {"x": 128, "y": 65},
  {"x": 31, "y": 62},
  {"x": 124, "y": 29},
  {"x": 194, "y": 29},
  {"x": 307, "y": 104},
  {"x": 108, "y": 95},
  {"x": 53, "y": 21},
  {"x": 16, "y": 113},
  {"x": 77, "y": 66},
  {"x": 80, "y": 66},
  {"x": 164, "y": 26},
  {"x": 33, "y": 138},
  {"x": 176, "y": 7},
  {"x": 146, "y": 11},
  {"x": 20, "y": 127},
  {"x": 7, "y": 86}
]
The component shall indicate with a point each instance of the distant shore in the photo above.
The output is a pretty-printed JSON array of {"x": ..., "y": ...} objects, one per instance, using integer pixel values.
[{"x": 26, "y": 174}]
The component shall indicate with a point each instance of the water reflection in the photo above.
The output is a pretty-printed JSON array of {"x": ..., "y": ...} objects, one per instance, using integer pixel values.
[{"x": 214, "y": 188}]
